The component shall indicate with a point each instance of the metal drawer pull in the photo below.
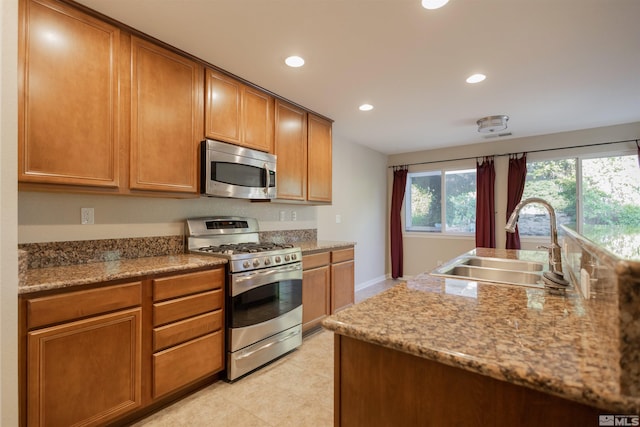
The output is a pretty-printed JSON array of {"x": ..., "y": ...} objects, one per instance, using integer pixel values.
[{"x": 245, "y": 355}]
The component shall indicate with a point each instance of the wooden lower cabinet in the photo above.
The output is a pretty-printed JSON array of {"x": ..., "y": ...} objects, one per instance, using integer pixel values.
[
  {"x": 316, "y": 296},
  {"x": 110, "y": 354},
  {"x": 327, "y": 285},
  {"x": 85, "y": 372},
  {"x": 342, "y": 279},
  {"x": 378, "y": 386},
  {"x": 188, "y": 333}
]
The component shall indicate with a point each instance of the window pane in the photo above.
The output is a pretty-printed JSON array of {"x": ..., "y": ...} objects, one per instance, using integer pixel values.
[
  {"x": 460, "y": 192},
  {"x": 424, "y": 211},
  {"x": 555, "y": 182},
  {"x": 611, "y": 197}
]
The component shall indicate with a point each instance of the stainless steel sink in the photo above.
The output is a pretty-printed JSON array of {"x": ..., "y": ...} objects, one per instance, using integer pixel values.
[
  {"x": 506, "y": 271},
  {"x": 506, "y": 264}
]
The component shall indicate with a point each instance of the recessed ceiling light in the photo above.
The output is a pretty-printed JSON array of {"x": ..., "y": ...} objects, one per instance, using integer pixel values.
[
  {"x": 434, "y": 4},
  {"x": 476, "y": 78},
  {"x": 294, "y": 61},
  {"x": 365, "y": 107}
]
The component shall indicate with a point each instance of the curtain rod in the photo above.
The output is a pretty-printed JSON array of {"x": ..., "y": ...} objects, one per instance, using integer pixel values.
[{"x": 519, "y": 152}]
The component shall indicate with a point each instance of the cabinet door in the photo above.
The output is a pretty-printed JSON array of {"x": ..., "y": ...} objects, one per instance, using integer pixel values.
[
  {"x": 69, "y": 86},
  {"x": 85, "y": 372},
  {"x": 257, "y": 120},
  {"x": 291, "y": 149},
  {"x": 319, "y": 158},
  {"x": 342, "y": 285},
  {"x": 316, "y": 296},
  {"x": 223, "y": 108},
  {"x": 166, "y": 119}
]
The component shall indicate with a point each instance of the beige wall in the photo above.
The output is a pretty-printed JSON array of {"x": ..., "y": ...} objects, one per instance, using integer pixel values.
[
  {"x": 359, "y": 199},
  {"x": 423, "y": 251},
  {"x": 8, "y": 214}
]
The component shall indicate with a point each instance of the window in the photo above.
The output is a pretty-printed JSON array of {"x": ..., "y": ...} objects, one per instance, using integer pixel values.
[
  {"x": 555, "y": 182},
  {"x": 588, "y": 194},
  {"x": 428, "y": 207}
]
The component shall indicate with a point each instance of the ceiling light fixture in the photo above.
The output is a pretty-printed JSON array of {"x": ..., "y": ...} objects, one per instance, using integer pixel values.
[
  {"x": 365, "y": 107},
  {"x": 294, "y": 61},
  {"x": 492, "y": 124},
  {"x": 434, "y": 4},
  {"x": 476, "y": 78}
]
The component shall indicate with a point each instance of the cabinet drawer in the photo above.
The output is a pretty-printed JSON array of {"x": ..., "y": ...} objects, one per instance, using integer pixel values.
[
  {"x": 185, "y": 330},
  {"x": 342, "y": 255},
  {"x": 316, "y": 260},
  {"x": 76, "y": 305},
  {"x": 180, "y": 365},
  {"x": 181, "y": 308},
  {"x": 186, "y": 284}
]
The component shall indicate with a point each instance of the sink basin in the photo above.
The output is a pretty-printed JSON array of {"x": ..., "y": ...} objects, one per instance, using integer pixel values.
[
  {"x": 505, "y": 264},
  {"x": 506, "y": 271}
]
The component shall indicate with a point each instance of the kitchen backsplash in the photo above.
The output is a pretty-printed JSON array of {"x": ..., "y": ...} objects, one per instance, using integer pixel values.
[{"x": 56, "y": 254}]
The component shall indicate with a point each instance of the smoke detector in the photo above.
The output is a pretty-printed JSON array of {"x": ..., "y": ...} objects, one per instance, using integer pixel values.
[{"x": 492, "y": 124}]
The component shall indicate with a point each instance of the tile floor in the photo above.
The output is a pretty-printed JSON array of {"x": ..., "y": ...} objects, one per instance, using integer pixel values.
[{"x": 296, "y": 390}]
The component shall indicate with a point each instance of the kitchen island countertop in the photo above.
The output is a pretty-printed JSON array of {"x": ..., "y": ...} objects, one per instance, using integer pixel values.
[
  {"x": 525, "y": 336},
  {"x": 42, "y": 279}
]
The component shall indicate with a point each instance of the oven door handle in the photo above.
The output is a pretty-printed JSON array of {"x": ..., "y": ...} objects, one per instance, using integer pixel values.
[
  {"x": 243, "y": 282},
  {"x": 267, "y": 345}
]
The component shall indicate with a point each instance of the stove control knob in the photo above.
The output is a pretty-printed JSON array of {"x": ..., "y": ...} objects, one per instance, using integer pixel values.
[
  {"x": 267, "y": 261},
  {"x": 278, "y": 259},
  {"x": 256, "y": 262},
  {"x": 294, "y": 257},
  {"x": 287, "y": 258},
  {"x": 246, "y": 264}
]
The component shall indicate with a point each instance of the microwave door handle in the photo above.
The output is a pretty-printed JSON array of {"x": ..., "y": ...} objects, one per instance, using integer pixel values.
[{"x": 268, "y": 180}]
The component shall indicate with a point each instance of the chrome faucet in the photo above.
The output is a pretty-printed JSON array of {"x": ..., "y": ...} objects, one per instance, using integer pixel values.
[{"x": 555, "y": 257}]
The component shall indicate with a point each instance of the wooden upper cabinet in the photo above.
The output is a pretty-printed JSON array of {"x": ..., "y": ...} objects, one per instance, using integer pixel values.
[
  {"x": 319, "y": 159},
  {"x": 166, "y": 119},
  {"x": 69, "y": 94},
  {"x": 237, "y": 113},
  {"x": 291, "y": 149}
]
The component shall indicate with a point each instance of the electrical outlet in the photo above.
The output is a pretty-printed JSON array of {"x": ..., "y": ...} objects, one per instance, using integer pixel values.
[
  {"x": 282, "y": 216},
  {"x": 294, "y": 216},
  {"x": 86, "y": 216},
  {"x": 338, "y": 219}
]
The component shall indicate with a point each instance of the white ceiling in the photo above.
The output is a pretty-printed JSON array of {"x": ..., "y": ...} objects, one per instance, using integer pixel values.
[{"x": 551, "y": 65}]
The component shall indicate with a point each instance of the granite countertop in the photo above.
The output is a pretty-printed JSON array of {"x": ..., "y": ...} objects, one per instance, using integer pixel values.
[
  {"x": 41, "y": 279},
  {"x": 524, "y": 336},
  {"x": 309, "y": 247}
]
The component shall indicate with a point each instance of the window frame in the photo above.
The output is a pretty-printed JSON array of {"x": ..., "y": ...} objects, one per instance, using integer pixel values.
[
  {"x": 579, "y": 157},
  {"x": 431, "y": 231}
]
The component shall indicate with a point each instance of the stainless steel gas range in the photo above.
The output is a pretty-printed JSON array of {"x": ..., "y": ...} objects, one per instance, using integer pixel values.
[{"x": 264, "y": 290}]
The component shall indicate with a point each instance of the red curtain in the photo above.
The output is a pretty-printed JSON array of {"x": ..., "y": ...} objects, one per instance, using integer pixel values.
[
  {"x": 515, "y": 188},
  {"x": 399, "y": 185},
  {"x": 485, "y": 204}
]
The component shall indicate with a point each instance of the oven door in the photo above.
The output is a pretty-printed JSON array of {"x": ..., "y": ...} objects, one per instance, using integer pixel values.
[
  {"x": 262, "y": 303},
  {"x": 237, "y": 172}
]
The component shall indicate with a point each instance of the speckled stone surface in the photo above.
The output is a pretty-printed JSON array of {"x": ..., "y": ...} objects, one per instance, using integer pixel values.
[
  {"x": 615, "y": 284},
  {"x": 53, "y": 254},
  {"x": 310, "y": 247},
  {"x": 289, "y": 236},
  {"x": 526, "y": 336},
  {"x": 42, "y": 279},
  {"x": 23, "y": 265}
]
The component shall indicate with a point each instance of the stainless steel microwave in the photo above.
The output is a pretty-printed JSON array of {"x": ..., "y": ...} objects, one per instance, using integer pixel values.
[{"x": 232, "y": 171}]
